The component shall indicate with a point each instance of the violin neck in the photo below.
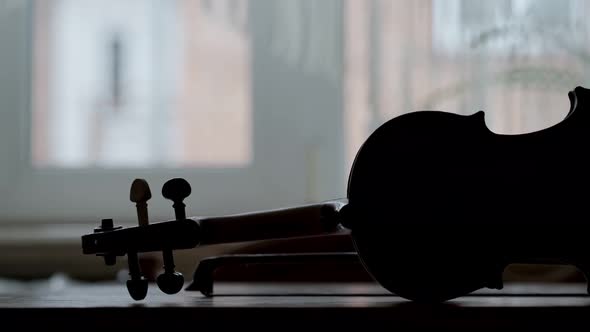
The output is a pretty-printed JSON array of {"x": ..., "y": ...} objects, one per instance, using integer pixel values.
[
  {"x": 299, "y": 221},
  {"x": 306, "y": 220}
]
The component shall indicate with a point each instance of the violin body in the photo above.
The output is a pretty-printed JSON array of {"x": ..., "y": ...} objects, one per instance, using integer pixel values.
[{"x": 439, "y": 205}]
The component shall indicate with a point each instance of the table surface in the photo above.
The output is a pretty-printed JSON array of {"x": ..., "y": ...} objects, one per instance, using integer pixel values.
[{"x": 346, "y": 306}]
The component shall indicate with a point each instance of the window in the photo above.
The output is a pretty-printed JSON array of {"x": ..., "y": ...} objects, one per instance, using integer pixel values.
[
  {"x": 212, "y": 91},
  {"x": 141, "y": 84},
  {"x": 259, "y": 104},
  {"x": 462, "y": 56}
]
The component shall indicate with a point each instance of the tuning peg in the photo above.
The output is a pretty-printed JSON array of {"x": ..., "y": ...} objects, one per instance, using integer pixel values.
[
  {"x": 137, "y": 286},
  {"x": 107, "y": 225},
  {"x": 170, "y": 282},
  {"x": 139, "y": 194},
  {"x": 177, "y": 190}
]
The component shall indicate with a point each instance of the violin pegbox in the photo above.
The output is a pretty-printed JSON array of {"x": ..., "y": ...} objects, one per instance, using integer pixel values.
[
  {"x": 110, "y": 241},
  {"x": 170, "y": 281}
]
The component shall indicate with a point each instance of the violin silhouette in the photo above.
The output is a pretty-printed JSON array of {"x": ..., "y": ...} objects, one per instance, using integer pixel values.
[{"x": 437, "y": 204}]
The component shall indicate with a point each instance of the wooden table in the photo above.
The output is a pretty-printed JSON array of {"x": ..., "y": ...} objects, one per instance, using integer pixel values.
[{"x": 72, "y": 306}]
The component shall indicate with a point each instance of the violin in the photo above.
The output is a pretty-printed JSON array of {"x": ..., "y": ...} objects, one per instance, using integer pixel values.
[{"x": 437, "y": 206}]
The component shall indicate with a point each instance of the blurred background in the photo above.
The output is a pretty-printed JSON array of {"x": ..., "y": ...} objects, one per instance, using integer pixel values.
[{"x": 259, "y": 104}]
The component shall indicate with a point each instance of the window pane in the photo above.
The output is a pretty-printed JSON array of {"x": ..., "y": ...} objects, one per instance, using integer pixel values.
[
  {"x": 141, "y": 83},
  {"x": 507, "y": 27}
]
